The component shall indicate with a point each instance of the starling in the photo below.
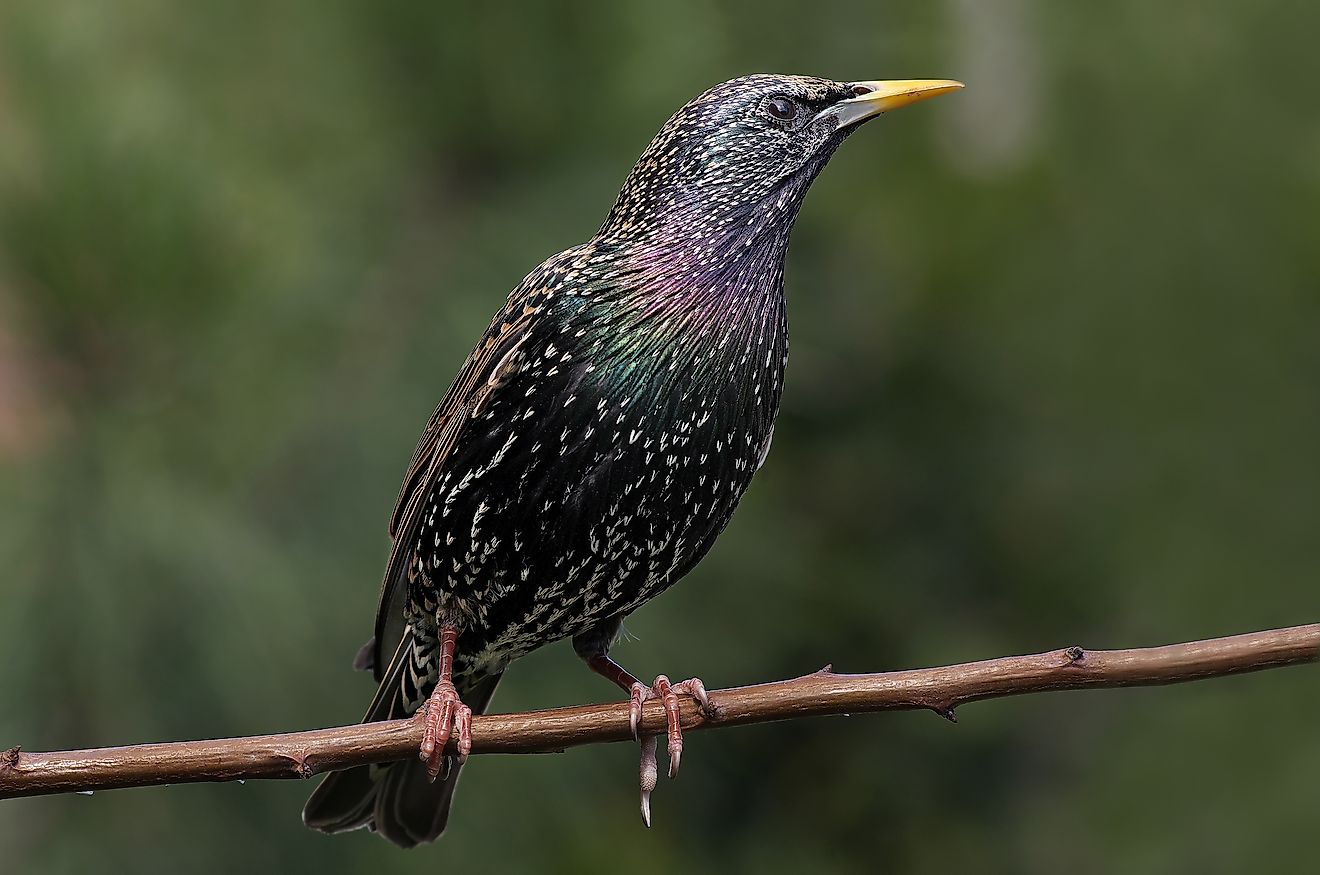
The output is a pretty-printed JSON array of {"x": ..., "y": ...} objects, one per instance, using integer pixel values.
[{"x": 597, "y": 440}]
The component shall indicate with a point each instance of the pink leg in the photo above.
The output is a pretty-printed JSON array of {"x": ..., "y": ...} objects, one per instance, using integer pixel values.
[
  {"x": 639, "y": 694},
  {"x": 444, "y": 713}
]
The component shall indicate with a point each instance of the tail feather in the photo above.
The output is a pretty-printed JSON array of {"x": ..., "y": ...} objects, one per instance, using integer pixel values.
[
  {"x": 395, "y": 799},
  {"x": 410, "y": 809}
]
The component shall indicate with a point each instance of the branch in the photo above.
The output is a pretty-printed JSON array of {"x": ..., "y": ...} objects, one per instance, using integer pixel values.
[{"x": 303, "y": 754}]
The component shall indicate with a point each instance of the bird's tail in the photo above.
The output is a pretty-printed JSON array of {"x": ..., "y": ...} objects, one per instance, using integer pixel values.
[{"x": 396, "y": 800}]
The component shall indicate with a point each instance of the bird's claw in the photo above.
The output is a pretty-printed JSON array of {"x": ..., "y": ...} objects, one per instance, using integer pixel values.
[
  {"x": 648, "y": 777},
  {"x": 668, "y": 693},
  {"x": 444, "y": 714}
]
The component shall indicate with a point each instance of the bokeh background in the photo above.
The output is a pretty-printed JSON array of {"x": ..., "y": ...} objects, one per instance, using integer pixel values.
[{"x": 1056, "y": 343}]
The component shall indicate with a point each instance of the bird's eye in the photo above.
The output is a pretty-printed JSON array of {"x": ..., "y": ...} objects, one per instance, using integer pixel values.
[{"x": 781, "y": 108}]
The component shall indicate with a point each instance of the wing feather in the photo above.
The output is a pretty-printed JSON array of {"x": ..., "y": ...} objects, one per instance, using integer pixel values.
[{"x": 486, "y": 369}]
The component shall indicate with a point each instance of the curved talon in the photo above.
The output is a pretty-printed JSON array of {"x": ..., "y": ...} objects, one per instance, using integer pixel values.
[{"x": 648, "y": 777}]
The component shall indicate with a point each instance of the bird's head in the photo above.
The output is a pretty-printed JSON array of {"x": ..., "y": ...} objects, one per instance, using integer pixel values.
[{"x": 745, "y": 152}]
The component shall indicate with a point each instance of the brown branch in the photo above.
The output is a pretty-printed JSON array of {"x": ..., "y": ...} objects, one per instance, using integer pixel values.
[{"x": 303, "y": 754}]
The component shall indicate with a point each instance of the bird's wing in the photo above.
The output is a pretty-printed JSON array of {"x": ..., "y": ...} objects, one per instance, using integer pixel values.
[{"x": 486, "y": 369}]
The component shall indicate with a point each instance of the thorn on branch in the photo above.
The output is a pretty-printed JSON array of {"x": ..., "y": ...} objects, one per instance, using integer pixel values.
[
  {"x": 945, "y": 711},
  {"x": 9, "y": 759},
  {"x": 828, "y": 669},
  {"x": 300, "y": 765}
]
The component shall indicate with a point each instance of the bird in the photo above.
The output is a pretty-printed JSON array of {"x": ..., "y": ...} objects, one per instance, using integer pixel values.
[{"x": 597, "y": 440}]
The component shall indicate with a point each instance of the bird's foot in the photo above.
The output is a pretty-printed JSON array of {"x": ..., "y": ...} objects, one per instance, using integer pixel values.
[
  {"x": 444, "y": 714},
  {"x": 668, "y": 693}
]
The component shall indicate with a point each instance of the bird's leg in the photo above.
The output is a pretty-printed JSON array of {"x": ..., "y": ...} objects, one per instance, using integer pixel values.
[
  {"x": 639, "y": 693},
  {"x": 445, "y": 712}
]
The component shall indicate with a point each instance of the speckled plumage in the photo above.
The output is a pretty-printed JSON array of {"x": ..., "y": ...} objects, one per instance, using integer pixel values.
[{"x": 599, "y": 437}]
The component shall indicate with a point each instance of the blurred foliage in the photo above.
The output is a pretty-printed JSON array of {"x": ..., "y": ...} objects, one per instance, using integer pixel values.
[{"x": 1056, "y": 343}]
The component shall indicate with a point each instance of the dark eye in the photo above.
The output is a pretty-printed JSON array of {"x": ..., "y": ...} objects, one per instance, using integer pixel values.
[{"x": 781, "y": 108}]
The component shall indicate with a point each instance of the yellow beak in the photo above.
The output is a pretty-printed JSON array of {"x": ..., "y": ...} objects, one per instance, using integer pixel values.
[{"x": 883, "y": 95}]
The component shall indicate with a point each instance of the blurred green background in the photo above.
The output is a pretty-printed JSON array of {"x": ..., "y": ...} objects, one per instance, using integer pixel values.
[{"x": 1056, "y": 342}]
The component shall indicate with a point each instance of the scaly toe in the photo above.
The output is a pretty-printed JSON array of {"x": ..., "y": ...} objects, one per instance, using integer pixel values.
[
  {"x": 674, "y": 721},
  {"x": 464, "y": 726},
  {"x": 443, "y": 712},
  {"x": 697, "y": 690},
  {"x": 638, "y": 695},
  {"x": 648, "y": 777}
]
